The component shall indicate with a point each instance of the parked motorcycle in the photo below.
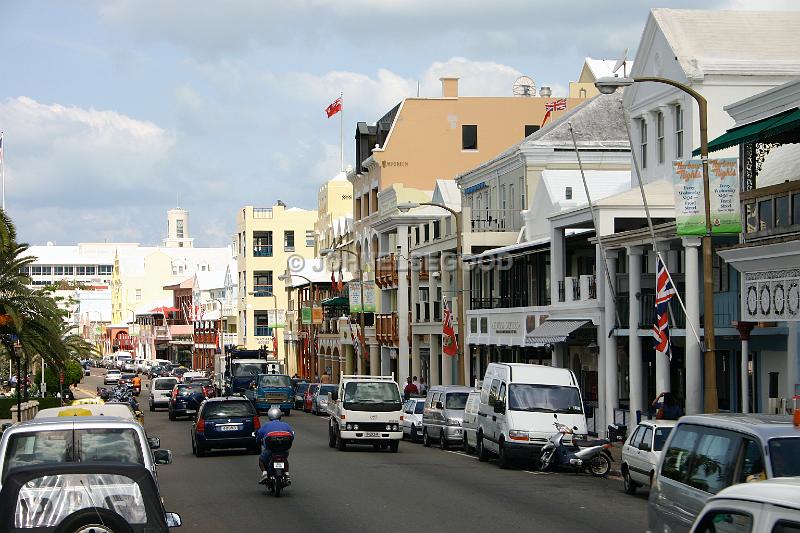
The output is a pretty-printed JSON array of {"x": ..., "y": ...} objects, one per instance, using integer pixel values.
[
  {"x": 592, "y": 456},
  {"x": 279, "y": 443}
]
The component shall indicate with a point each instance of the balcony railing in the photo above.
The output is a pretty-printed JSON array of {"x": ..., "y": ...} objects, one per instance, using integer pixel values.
[
  {"x": 229, "y": 339},
  {"x": 581, "y": 288},
  {"x": 386, "y": 329},
  {"x": 498, "y": 302},
  {"x": 496, "y": 220},
  {"x": 262, "y": 250},
  {"x": 262, "y": 290},
  {"x": 771, "y": 211},
  {"x": 386, "y": 271}
]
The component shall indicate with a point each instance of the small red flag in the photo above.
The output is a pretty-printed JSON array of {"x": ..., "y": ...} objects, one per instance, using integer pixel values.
[
  {"x": 334, "y": 108},
  {"x": 449, "y": 341}
]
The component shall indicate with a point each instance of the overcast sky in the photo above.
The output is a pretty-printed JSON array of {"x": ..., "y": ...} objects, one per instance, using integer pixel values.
[{"x": 115, "y": 110}]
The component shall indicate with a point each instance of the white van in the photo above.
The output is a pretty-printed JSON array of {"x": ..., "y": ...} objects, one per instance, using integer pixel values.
[
  {"x": 518, "y": 406},
  {"x": 121, "y": 358}
]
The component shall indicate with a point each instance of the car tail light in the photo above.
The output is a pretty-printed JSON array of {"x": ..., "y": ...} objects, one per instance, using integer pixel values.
[
  {"x": 201, "y": 425},
  {"x": 174, "y": 393},
  {"x": 256, "y": 423}
]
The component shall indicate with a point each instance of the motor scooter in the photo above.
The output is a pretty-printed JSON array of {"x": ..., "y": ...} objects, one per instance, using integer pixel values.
[
  {"x": 279, "y": 443},
  {"x": 592, "y": 456}
]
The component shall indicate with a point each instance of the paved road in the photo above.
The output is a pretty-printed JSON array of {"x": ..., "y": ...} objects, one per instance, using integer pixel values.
[{"x": 367, "y": 490}]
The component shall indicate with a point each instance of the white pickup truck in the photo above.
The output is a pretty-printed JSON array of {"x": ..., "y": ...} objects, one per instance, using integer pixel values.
[{"x": 365, "y": 410}]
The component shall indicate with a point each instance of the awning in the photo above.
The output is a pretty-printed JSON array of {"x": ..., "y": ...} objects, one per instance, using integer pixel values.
[
  {"x": 553, "y": 331},
  {"x": 337, "y": 301},
  {"x": 761, "y": 130}
]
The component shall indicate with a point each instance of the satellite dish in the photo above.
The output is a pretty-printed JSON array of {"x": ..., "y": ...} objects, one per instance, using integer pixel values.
[
  {"x": 621, "y": 64},
  {"x": 524, "y": 86}
]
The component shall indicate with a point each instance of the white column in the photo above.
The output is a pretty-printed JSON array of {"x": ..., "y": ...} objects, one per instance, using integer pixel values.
[
  {"x": 375, "y": 359},
  {"x": 634, "y": 342},
  {"x": 402, "y": 306},
  {"x": 792, "y": 361},
  {"x": 558, "y": 357},
  {"x": 694, "y": 354},
  {"x": 463, "y": 329},
  {"x": 745, "y": 374},
  {"x": 432, "y": 284},
  {"x": 556, "y": 262},
  {"x": 611, "y": 363},
  {"x": 415, "y": 266},
  {"x": 447, "y": 365},
  {"x": 415, "y": 358},
  {"x": 436, "y": 353}
]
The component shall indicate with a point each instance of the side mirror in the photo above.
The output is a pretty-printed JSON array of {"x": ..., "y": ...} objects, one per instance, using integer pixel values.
[
  {"x": 154, "y": 443},
  {"x": 172, "y": 519},
  {"x": 644, "y": 446},
  {"x": 440, "y": 406},
  {"x": 574, "y": 428},
  {"x": 162, "y": 457},
  {"x": 499, "y": 407}
]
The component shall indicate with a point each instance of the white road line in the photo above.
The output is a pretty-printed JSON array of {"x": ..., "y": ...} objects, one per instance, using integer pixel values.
[{"x": 462, "y": 454}]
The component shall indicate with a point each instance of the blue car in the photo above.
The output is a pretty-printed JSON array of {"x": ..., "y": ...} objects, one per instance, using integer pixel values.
[
  {"x": 225, "y": 423},
  {"x": 185, "y": 400},
  {"x": 272, "y": 390}
]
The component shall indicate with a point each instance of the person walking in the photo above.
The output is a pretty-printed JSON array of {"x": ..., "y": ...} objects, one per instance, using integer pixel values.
[
  {"x": 422, "y": 386},
  {"x": 409, "y": 389},
  {"x": 325, "y": 378}
]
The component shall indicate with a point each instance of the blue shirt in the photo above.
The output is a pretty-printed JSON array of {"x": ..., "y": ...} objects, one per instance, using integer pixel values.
[{"x": 269, "y": 427}]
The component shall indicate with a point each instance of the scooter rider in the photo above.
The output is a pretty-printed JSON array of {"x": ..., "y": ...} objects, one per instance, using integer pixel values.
[{"x": 275, "y": 424}]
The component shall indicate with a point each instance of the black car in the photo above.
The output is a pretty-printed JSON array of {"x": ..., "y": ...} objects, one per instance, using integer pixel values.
[
  {"x": 225, "y": 422},
  {"x": 300, "y": 394},
  {"x": 185, "y": 400}
]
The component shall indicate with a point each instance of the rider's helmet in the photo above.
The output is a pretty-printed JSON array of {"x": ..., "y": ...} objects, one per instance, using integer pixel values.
[{"x": 274, "y": 413}]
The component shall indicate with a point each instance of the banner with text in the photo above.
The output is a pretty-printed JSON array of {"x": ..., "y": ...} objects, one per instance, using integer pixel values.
[
  {"x": 354, "y": 290},
  {"x": 687, "y": 179},
  {"x": 276, "y": 318},
  {"x": 305, "y": 315}
]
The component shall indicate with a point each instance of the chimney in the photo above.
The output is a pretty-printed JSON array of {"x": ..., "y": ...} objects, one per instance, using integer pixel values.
[
  {"x": 545, "y": 92},
  {"x": 449, "y": 87}
]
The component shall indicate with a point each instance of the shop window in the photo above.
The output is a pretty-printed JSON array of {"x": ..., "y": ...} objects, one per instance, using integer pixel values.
[
  {"x": 751, "y": 218},
  {"x": 782, "y": 212},
  {"x": 796, "y": 208},
  {"x": 765, "y": 215},
  {"x": 721, "y": 281}
]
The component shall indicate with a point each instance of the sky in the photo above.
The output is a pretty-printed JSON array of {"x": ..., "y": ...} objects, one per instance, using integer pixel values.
[{"x": 114, "y": 111}]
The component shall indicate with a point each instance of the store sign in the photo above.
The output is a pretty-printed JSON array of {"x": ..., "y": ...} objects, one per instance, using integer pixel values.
[
  {"x": 506, "y": 327},
  {"x": 354, "y": 291},
  {"x": 305, "y": 315},
  {"x": 687, "y": 179},
  {"x": 316, "y": 314},
  {"x": 769, "y": 296}
]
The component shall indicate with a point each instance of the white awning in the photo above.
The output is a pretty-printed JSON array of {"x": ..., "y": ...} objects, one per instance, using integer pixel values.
[{"x": 553, "y": 332}]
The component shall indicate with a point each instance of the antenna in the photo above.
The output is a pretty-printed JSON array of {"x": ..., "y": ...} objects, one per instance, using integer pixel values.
[
  {"x": 417, "y": 88},
  {"x": 621, "y": 63},
  {"x": 524, "y": 86}
]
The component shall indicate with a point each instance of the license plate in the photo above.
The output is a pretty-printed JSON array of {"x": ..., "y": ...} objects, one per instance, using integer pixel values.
[
  {"x": 279, "y": 465},
  {"x": 190, "y": 411},
  {"x": 372, "y": 434},
  {"x": 229, "y": 427}
]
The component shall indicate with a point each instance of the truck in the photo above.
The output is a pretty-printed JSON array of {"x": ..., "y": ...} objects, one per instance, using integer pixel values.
[
  {"x": 365, "y": 410},
  {"x": 234, "y": 372},
  {"x": 271, "y": 390}
]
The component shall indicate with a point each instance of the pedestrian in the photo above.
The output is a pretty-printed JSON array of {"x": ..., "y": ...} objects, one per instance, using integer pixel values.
[
  {"x": 409, "y": 389},
  {"x": 668, "y": 408},
  {"x": 423, "y": 387},
  {"x": 325, "y": 378},
  {"x": 415, "y": 381}
]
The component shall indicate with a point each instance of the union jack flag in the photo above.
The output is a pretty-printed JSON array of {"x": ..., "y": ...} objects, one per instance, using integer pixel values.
[
  {"x": 555, "y": 105},
  {"x": 664, "y": 293}
]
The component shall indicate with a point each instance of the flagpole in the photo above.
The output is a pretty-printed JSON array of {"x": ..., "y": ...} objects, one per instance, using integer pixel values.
[
  {"x": 341, "y": 130},
  {"x": 3, "y": 169}
]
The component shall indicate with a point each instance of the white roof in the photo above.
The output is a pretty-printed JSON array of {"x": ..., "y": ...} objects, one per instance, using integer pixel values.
[
  {"x": 746, "y": 42},
  {"x": 602, "y": 184},
  {"x": 602, "y": 68},
  {"x": 70, "y": 255},
  {"x": 447, "y": 193},
  {"x": 210, "y": 279},
  {"x": 659, "y": 193},
  {"x": 780, "y": 165}
]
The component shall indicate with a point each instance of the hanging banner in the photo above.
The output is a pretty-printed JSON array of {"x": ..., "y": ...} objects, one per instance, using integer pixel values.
[
  {"x": 354, "y": 293},
  {"x": 305, "y": 315},
  {"x": 369, "y": 296},
  {"x": 316, "y": 314},
  {"x": 276, "y": 318},
  {"x": 687, "y": 180}
]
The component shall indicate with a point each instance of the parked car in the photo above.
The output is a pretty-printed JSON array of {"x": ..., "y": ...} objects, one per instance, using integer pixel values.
[
  {"x": 771, "y": 505},
  {"x": 185, "y": 400},
  {"x": 112, "y": 377},
  {"x": 312, "y": 388},
  {"x": 642, "y": 451},
  {"x": 319, "y": 402},
  {"x": 225, "y": 422},
  {"x": 189, "y": 375},
  {"x": 412, "y": 418},
  {"x": 300, "y": 394},
  {"x": 470, "y": 424},
  {"x": 161, "y": 390},
  {"x": 444, "y": 414},
  {"x": 707, "y": 453}
]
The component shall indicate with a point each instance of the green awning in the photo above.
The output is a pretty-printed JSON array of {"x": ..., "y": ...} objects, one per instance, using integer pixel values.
[
  {"x": 338, "y": 301},
  {"x": 757, "y": 131}
]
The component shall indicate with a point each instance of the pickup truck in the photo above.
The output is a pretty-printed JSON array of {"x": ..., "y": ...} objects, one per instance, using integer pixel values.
[{"x": 365, "y": 410}]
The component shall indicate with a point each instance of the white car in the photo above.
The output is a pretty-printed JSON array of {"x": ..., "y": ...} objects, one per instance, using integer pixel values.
[
  {"x": 112, "y": 377},
  {"x": 770, "y": 505},
  {"x": 141, "y": 365},
  {"x": 160, "y": 391},
  {"x": 641, "y": 452},
  {"x": 412, "y": 418}
]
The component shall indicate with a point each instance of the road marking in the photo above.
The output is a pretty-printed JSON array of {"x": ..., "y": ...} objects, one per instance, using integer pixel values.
[{"x": 461, "y": 454}]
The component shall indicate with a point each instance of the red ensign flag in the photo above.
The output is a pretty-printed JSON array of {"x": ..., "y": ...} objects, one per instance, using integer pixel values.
[{"x": 334, "y": 108}]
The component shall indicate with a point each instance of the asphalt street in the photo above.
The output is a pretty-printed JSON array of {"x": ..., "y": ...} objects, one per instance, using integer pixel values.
[{"x": 363, "y": 489}]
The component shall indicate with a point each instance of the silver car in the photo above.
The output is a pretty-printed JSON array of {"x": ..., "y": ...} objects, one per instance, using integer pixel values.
[
  {"x": 412, "y": 418},
  {"x": 706, "y": 453},
  {"x": 444, "y": 415}
]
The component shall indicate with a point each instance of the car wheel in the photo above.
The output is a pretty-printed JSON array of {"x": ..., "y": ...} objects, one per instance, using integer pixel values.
[
  {"x": 394, "y": 446},
  {"x": 172, "y": 415},
  {"x": 152, "y": 407},
  {"x": 442, "y": 441},
  {"x": 201, "y": 452},
  {"x": 502, "y": 458},
  {"x": 94, "y": 519},
  {"x": 413, "y": 436},
  {"x": 480, "y": 449},
  {"x": 426, "y": 440},
  {"x": 627, "y": 483},
  {"x": 288, "y": 412},
  {"x": 465, "y": 444},
  {"x": 341, "y": 445}
]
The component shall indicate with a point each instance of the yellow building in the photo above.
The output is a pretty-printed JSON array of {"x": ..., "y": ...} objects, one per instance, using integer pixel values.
[
  {"x": 268, "y": 242},
  {"x": 591, "y": 71},
  {"x": 334, "y": 212}
]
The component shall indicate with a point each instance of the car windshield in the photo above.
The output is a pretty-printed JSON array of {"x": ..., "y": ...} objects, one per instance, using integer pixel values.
[
  {"x": 372, "y": 396},
  {"x": 785, "y": 455},
  {"x": 660, "y": 438},
  {"x": 325, "y": 389},
  {"x": 301, "y": 388},
  {"x": 274, "y": 380},
  {"x": 128, "y": 376},
  {"x": 313, "y": 388},
  {"x": 165, "y": 384},
  {"x": 113, "y": 372},
  {"x": 249, "y": 369},
  {"x": 190, "y": 388},
  {"x": 419, "y": 408},
  {"x": 228, "y": 409},
  {"x": 456, "y": 400},
  {"x": 116, "y": 445},
  {"x": 65, "y": 494},
  {"x": 544, "y": 398}
]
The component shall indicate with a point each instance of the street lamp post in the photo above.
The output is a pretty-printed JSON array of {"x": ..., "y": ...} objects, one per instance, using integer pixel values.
[
  {"x": 362, "y": 345},
  {"x": 462, "y": 321},
  {"x": 609, "y": 85}
]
